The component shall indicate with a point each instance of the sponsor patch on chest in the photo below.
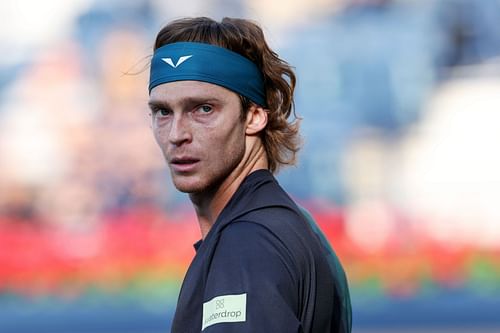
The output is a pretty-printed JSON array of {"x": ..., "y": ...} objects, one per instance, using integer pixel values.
[{"x": 224, "y": 309}]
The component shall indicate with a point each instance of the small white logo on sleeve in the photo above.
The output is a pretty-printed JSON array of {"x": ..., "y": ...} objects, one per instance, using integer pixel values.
[
  {"x": 179, "y": 61},
  {"x": 224, "y": 309}
]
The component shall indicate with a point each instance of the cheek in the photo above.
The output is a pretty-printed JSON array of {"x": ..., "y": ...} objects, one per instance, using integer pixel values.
[
  {"x": 230, "y": 146},
  {"x": 228, "y": 135},
  {"x": 160, "y": 134},
  {"x": 222, "y": 141}
]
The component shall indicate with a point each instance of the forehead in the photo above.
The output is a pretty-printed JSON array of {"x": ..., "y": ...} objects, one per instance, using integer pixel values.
[{"x": 178, "y": 91}]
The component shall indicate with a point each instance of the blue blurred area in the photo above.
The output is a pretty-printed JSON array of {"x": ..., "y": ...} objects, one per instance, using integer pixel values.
[
  {"x": 447, "y": 310},
  {"x": 366, "y": 67},
  {"x": 96, "y": 314},
  {"x": 470, "y": 31}
]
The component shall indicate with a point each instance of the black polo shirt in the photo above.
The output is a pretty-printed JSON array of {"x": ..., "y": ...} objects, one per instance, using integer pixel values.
[{"x": 263, "y": 267}]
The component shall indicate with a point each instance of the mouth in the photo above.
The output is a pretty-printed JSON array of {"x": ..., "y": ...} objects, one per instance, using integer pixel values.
[{"x": 183, "y": 164}]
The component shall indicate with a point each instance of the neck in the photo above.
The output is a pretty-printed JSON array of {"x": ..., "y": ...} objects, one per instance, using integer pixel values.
[{"x": 210, "y": 203}]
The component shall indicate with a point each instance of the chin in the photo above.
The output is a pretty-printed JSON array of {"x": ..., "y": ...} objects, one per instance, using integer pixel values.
[
  {"x": 196, "y": 185},
  {"x": 188, "y": 186},
  {"x": 184, "y": 188}
]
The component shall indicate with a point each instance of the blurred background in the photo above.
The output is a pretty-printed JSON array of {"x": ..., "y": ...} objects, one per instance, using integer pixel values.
[{"x": 400, "y": 103}]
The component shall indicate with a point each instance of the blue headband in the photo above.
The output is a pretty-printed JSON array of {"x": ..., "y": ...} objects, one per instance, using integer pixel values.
[{"x": 208, "y": 63}]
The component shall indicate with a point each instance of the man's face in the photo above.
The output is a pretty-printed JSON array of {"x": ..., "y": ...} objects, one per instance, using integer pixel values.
[{"x": 198, "y": 127}]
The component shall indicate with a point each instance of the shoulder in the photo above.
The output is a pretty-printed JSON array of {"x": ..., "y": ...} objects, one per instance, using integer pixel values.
[
  {"x": 274, "y": 226},
  {"x": 250, "y": 237},
  {"x": 249, "y": 246}
]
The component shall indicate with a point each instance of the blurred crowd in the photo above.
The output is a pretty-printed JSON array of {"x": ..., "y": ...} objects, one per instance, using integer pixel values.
[
  {"x": 398, "y": 100},
  {"x": 76, "y": 143}
]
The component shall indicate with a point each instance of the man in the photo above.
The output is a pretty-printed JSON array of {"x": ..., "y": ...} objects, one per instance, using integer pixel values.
[{"x": 220, "y": 101}]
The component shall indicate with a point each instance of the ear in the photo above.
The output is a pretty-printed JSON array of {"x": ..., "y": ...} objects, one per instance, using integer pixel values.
[{"x": 256, "y": 119}]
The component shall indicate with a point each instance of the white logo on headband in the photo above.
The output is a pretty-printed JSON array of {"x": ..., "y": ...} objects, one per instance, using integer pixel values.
[{"x": 180, "y": 61}]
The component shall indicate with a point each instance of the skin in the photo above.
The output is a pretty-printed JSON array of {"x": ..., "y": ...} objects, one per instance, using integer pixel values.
[{"x": 207, "y": 145}]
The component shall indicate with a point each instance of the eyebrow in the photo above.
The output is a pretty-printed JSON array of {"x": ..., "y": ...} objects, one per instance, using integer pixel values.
[{"x": 185, "y": 102}]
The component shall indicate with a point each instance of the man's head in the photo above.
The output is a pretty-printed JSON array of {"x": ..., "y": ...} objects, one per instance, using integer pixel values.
[{"x": 260, "y": 82}]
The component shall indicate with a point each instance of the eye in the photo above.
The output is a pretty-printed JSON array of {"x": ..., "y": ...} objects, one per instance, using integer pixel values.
[
  {"x": 205, "y": 108},
  {"x": 160, "y": 112},
  {"x": 164, "y": 112}
]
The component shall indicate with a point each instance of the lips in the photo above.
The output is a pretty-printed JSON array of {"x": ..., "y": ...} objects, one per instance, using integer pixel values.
[{"x": 183, "y": 164}]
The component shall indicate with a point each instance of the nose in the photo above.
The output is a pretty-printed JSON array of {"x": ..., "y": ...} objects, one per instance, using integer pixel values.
[{"x": 180, "y": 131}]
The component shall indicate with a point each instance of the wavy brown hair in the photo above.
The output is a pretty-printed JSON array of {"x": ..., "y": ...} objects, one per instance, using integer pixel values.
[{"x": 281, "y": 136}]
